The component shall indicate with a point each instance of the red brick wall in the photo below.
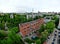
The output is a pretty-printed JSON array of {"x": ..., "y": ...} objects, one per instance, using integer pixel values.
[{"x": 27, "y": 28}]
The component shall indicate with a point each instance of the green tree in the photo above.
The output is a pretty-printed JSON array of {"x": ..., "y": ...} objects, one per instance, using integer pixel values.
[
  {"x": 15, "y": 37},
  {"x": 42, "y": 28},
  {"x": 50, "y": 26},
  {"x": 2, "y": 25},
  {"x": 38, "y": 41},
  {"x": 14, "y": 29},
  {"x": 29, "y": 41},
  {"x": 3, "y": 34},
  {"x": 44, "y": 36}
]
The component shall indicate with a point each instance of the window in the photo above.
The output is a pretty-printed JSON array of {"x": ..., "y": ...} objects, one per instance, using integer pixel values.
[
  {"x": 29, "y": 34},
  {"x": 25, "y": 24},
  {"x": 27, "y": 27},
  {"x": 34, "y": 31},
  {"x": 24, "y": 28}
]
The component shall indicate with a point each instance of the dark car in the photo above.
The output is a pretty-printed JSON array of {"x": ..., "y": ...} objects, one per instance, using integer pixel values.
[
  {"x": 59, "y": 36},
  {"x": 54, "y": 39},
  {"x": 48, "y": 37},
  {"x": 55, "y": 34},
  {"x": 55, "y": 30},
  {"x": 58, "y": 32},
  {"x": 58, "y": 28},
  {"x": 58, "y": 41},
  {"x": 52, "y": 43}
]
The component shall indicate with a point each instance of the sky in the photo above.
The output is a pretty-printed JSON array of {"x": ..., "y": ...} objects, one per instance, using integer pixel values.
[{"x": 29, "y": 5}]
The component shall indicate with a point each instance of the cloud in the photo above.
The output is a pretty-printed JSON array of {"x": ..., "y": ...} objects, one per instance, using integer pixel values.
[{"x": 28, "y": 5}]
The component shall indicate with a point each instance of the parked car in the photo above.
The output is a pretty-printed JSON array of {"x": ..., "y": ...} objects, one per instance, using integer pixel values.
[
  {"x": 55, "y": 30},
  {"x": 52, "y": 43},
  {"x": 55, "y": 34},
  {"x": 58, "y": 41},
  {"x": 54, "y": 39},
  {"x": 48, "y": 37},
  {"x": 58, "y": 32}
]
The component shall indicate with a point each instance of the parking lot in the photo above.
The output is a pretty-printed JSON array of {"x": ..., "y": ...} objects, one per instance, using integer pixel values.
[{"x": 53, "y": 38}]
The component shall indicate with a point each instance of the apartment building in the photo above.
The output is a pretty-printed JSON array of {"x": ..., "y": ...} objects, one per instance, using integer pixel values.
[
  {"x": 24, "y": 29},
  {"x": 33, "y": 15},
  {"x": 28, "y": 28}
]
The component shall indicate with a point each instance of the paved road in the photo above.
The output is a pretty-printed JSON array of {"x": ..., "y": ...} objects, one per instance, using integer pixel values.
[{"x": 49, "y": 41}]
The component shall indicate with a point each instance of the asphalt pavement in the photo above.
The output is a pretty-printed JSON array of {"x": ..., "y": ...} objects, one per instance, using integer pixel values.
[{"x": 52, "y": 37}]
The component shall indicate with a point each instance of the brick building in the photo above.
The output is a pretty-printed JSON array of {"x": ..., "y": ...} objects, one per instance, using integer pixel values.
[{"x": 28, "y": 28}]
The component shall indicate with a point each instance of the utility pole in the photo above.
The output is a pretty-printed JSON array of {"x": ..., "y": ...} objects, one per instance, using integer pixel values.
[{"x": 59, "y": 23}]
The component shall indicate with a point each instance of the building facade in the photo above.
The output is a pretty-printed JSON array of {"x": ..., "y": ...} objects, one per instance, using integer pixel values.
[
  {"x": 33, "y": 15},
  {"x": 27, "y": 29}
]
